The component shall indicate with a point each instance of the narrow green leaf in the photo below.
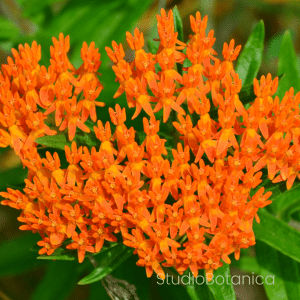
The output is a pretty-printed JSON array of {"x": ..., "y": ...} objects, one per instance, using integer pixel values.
[
  {"x": 280, "y": 273},
  {"x": 109, "y": 261},
  {"x": 58, "y": 282},
  {"x": 221, "y": 286},
  {"x": 16, "y": 256},
  {"x": 250, "y": 59},
  {"x": 178, "y": 27},
  {"x": 277, "y": 234},
  {"x": 59, "y": 141},
  {"x": 287, "y": 63},
  {"x": 66, "y": 254},
  {"x": 60, "y": 254}
]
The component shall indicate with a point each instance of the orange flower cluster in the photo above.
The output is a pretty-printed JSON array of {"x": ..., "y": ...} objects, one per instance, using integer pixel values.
[
  {"x": 191, "y": 211},
  {"x": 30, "y": 93}
]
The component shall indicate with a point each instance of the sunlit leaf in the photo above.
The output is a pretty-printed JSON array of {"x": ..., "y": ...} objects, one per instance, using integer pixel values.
[
  {"x": 277, "y": 234},
  {"x": 287, "y": 64},
  {"x": 280, "y": 270},
  {"x": 250, "y": 59},
  {"x": 221, "y": 286}
]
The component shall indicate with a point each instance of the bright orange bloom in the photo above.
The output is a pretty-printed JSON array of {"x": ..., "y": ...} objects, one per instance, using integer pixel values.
[{"x": 180, "y": 198}]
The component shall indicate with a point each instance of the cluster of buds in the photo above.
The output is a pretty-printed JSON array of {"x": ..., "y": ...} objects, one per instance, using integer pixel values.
[
  {"x": 189, "y": 211},
  {"x": 32, "y": 97}
]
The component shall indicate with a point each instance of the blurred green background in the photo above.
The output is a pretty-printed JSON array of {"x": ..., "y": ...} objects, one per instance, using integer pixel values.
[{"x": 22, "y": 21}]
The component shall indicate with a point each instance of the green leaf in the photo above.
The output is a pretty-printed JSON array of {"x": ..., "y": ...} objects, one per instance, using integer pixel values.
[
  {"x": 58, "y": 282},
  {"x": 33, "y": 7},
  {"x": 249, "y": 61},
  {"x": 222, "y": 289},
  {"x": 178, "y": 27},
  {"x": 246, "y": 264},
  {"x": 277, "y": 189},
  {"x": 109, "y": 261},
  {"x": 277, "y": 234},
  {"x": 16, "y": 256},
  {"x": 59, "y": 141},
  {"x": 287, "y": 64},
  {"x": 286, "y": 203},
  {"x": 198, "y": 289},
  {"x": 153, "y": 46},
  {"x": 66, "y": 254},
  {"x": 273, "y": 268},
  {"x": 13, "y": 177},
  {"x": 8, "y": 30},
  {"x": 60, "y": 254}
]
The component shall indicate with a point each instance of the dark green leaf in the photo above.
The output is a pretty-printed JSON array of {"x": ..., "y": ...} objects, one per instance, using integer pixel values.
[
  {"x": 58, "y": 282},
  {"x": 250, "y": 59},
  {"x": 16, "y": 256},
  {"x": 287, "y": 64},
  {"x": 97, "y": 292},
  {"x": 280, "y": 270},
  {"x": 109, "y": 261},
  {"x": 277, "y": 234},
  {"x": 221, "y": 286}
]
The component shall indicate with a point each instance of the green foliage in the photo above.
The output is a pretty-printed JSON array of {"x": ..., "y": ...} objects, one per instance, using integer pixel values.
[
  {"x": 59, "y": 281},
  {"x": 277, "y": 248},
  {"x": 225, "y": 290},
  {"x": 59, "y": 141},
  {"x": 16, "y": 256},
  {"x": 273, "y": 264},
  {"x": 8, "y": 30},
  {"x": 66, "y": 254},
  {"x": 107, "y": 262},
  {"x": 277, "y": 234},
  {"x": 287, "y": 64},
  {"x": 250, "y": 59}
]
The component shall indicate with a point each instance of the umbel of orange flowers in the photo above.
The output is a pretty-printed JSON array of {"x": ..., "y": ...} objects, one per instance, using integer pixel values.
[{"x": 175, "y": 212}]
